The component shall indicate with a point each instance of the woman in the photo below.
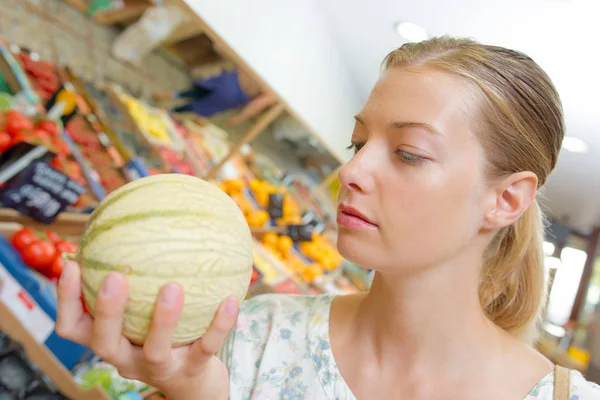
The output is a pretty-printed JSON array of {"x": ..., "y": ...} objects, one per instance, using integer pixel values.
[
  {"x": 451, "y": 148},
  {"x": 228, "y": 90}
]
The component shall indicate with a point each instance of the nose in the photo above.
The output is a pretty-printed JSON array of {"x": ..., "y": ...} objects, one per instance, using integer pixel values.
[{"x": 358, "y": 174}]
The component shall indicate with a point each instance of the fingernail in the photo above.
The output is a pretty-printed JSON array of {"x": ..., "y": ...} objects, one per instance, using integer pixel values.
[
  {"x": 231, "y": 306},
  {"x": 67, "y": 273},
  {"x": 110, "y": 285},
  {"x": 168, "y": 296}
]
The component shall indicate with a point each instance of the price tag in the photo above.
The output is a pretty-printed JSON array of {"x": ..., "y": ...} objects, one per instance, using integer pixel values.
[
  {"x": 41, "y": 192},
  {"x": 275, "y": 208},
  {"x": 301, "y": 233},
  {"x": 24, "y": 307}
]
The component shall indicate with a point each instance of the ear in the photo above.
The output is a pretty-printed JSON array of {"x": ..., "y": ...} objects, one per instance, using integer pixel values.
[{"x": 512, "y": 197}]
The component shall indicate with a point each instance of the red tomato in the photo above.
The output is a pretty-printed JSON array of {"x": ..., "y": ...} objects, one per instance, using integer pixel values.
[
  {"x": 62, "y": 147},
  {"x": 18, "y": 138},
  {"x": 64, "y": 246},
  {"x": 53, "y": 237},
  {"x": 84, "y": 305},
  {"x": 5, "y": 141},
  {"x": 14, "y": 114},
  {"x": 49, "y": 126},
  {"x": 56, "y": 267},
  {"x": 23, "y": 238},
  {"x": 39, "y": 255},
  {"x": 17, "y": 123},
  {"x": 42, "y": 136},
  {"x": 58, "y": 162}
]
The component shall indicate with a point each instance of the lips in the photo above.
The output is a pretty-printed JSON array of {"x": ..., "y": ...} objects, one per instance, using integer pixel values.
[{"x": 349, "y": 217}]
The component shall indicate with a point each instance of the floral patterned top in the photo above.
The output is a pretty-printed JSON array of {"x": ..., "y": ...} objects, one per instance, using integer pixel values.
[{"x": 280, "y": 349}]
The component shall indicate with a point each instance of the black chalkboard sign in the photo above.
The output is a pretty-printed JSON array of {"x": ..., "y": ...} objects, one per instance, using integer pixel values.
[{"x": 41, "y": 192}]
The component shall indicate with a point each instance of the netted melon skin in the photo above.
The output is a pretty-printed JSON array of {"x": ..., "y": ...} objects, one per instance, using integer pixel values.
[{"x": 168, "y": 228}]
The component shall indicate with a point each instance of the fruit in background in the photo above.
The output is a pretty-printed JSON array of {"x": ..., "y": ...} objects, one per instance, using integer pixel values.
[
  {"x": 207, "y": 249},
  {"x": 43, "y": 137},
  {"x": 255, "y": 276},
  {"x": 18, "y": 138},
  {"x": 233, "y": 186},
  {"x": 5, "y": 141},
  {"x": 17, "y": 123},
  {"x": 284, "y": 244},
  {"x": 64, "y": 246},
  {"x": 152, "y": 122},
  {"x": 261, "y": 190},
  {"x": 49, "y": 126},
  {"x": 270, "y": 240},
  {"x": 42, "y": 75},
  {"x": 258, "y": 218},
  {"x": 56, "y": 267},
  {"x": 23, "y": 238},
  {"x": 39, "y": 254},
  {"x": 84, "y": 305},
  {"x": 53, "y": 237}
]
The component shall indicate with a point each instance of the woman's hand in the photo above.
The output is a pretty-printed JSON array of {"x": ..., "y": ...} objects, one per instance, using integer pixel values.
[{"x": 190, "y": 372}]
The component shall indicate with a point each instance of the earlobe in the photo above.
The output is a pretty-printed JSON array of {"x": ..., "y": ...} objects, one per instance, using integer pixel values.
[{"x": 514, "y": 195}]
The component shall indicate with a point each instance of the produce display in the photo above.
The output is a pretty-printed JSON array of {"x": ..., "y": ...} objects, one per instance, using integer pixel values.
[
  {"x": 253, "y": 229},
  {"x": 16, "y": 127},
  {"x": 44, "y": 252},
  {"x": 42, "y": 75},
  {"x": 152, "y": 122},
  {"x": 110, "y": 109},
  {"x": 107, "y": 165},
  {"x": 168, "y": 227},
  {"x": 268, "y": 206}
]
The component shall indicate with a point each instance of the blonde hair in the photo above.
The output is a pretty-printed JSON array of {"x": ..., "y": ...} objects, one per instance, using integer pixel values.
[{"x": 521, "y": 128}]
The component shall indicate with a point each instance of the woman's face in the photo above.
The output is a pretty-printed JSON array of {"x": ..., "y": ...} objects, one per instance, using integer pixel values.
[{"x": 413, "y": 194}]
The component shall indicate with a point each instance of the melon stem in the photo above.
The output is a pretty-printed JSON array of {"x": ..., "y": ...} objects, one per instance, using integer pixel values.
[{"x": 69, "y": 256}]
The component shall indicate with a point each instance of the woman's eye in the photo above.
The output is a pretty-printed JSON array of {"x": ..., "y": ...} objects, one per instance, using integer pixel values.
[
  {"x": 355, "y": 146},
  {"x": 409, "y": 158}
]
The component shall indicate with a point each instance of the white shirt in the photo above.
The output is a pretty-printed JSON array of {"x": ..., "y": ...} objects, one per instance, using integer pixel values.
[{"x": 280, "y": 349}]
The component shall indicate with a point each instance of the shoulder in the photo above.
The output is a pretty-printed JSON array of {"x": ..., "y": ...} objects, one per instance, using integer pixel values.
[{"x": 581, "y": 389}]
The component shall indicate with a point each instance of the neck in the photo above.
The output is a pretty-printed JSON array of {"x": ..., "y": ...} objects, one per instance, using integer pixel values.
[{"x": 428, "y": 321}]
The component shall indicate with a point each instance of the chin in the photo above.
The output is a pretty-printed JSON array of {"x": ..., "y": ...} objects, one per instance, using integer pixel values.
[{"x": 355, "y": 248}]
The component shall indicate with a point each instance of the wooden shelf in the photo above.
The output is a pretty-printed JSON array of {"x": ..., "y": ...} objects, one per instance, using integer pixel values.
[
  {"x": 67, "y": 224},
  {"x": 45, "y": 360}
]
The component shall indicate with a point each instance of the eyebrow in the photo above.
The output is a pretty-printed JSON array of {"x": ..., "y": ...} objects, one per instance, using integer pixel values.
[{"x": 402, "y": 125}]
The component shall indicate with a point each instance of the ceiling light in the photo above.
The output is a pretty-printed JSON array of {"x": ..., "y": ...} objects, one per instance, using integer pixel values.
[
  {"x": 411, "y": 31},
  {"x": 575, "y": 145}
]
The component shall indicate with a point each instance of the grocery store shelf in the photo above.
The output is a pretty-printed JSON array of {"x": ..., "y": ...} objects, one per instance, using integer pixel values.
[
  {"x": 71, "y": 224},
  {"x": 68, "y": 224}
]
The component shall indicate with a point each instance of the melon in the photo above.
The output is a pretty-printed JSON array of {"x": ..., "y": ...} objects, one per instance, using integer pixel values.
[{"x": 168, "y": 228}]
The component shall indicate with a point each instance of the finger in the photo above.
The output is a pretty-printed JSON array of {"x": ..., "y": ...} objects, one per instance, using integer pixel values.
[
  {"x": 157, "y": 347},
  {"x": 107, "y": 341},
  {"x": 71, "y": 322},
  {"x": 213, "y": 339}
]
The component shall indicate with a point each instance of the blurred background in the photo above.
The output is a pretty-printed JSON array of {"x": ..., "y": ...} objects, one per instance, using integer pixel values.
[{"x": 257, "y": 97}]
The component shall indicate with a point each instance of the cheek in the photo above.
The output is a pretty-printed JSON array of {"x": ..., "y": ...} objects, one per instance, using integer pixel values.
[{"x": 430, "y": 217}]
